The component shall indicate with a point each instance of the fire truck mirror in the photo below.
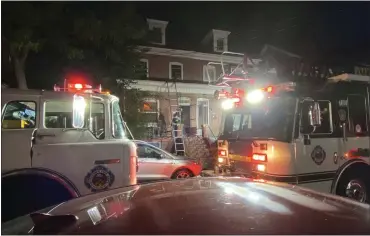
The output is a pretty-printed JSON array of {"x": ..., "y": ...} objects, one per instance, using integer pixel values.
[
  {"x": 310, "y": 118},
  {"x": 79, "y": 106},
  {"x": 316, "y": 115}
]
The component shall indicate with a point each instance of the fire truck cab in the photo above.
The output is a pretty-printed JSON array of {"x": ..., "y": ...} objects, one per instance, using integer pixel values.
[
  {"x": 61, "y": 144},
  {"x": 313, "y": 136}
]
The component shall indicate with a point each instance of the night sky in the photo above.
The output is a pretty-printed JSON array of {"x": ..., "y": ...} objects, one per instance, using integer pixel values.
[{"x": 335, "y": 31}]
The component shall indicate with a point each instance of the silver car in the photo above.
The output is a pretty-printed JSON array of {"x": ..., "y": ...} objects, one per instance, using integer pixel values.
[{"x": 157, "y": 164}]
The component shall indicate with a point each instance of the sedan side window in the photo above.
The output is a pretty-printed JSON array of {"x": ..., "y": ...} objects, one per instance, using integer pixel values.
[{"x": 145, "y": 151}]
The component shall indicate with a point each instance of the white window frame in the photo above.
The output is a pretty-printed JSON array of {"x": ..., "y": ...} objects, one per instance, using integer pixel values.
[
  {"x": 205, "y": 77},
  {"x": 146, "y": 61},
  {"x": 176, "y": 64},
  {"x": 152, "y": 124},
  {"x": 184, "y": 101},
  {"x": 216, "y": 44},
  {"x": 199, "y": 129}
]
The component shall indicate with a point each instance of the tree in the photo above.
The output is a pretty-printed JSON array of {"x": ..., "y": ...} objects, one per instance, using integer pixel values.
[
  {"x": 21, "y": 22},
  {"x": 97, "y": 40}
]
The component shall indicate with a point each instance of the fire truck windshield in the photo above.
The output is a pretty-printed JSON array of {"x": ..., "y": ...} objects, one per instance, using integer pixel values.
[
  {"x": 118, "y": 123},
  {"x": 272, "y": 119}
]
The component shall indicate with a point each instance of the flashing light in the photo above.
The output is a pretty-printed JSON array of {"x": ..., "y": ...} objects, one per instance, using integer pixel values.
[
  {"x": 259, "y": 157},
  {"x": 255, "y": 96},
  {"x": 222, "y": 153},
  {"x": 227, "y": 104},
  {"x": 79, "y": 87},
  {"x": 261, "y": 167},
  {"x": 269, "y": 89}
]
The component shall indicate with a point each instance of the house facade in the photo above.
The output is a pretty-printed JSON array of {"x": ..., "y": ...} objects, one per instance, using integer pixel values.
[{"x": 185, "y": 75}]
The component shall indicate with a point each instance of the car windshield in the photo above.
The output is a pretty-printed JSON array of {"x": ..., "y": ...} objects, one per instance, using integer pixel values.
[{"x": 272, "y": 119}]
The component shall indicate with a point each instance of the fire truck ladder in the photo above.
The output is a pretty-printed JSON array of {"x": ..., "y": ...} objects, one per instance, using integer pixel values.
[
  {"x": 239, "y": 73},
  {"x": 176, "y": 130}
]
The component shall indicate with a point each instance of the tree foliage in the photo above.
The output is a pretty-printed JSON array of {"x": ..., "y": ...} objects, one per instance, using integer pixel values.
[
  {"x": 98, "y": 38},
  {"x": 50, "y": 42}
]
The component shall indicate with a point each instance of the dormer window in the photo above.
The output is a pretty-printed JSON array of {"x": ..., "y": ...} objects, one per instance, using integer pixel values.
[
  {"x": 220, "y": 45},
  {"x": 157, "y": 31},
  {"x": 220, "y": 40},
  {"x": 155, "y": 35}
]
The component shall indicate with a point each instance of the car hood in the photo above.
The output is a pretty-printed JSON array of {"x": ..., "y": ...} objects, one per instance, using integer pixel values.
[{"x": 206, "y": 206}]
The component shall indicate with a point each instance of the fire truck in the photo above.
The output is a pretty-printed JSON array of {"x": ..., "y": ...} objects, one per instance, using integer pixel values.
[
  {"x": 312, "y": 134},
  {"x": 61, "y": 144}
]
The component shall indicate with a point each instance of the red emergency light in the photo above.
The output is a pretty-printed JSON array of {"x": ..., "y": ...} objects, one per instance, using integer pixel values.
[{"x": 78, "y": 87}]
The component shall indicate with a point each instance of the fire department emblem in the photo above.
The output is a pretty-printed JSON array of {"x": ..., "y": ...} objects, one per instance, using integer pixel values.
[
  {"x": 99, "y": 178},
  {"x": 318, "y": 155}
]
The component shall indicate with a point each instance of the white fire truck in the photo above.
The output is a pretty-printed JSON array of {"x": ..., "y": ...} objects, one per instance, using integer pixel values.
[
  {"x": 316, "y": 136},
  {"x": 61, "y": 144}
]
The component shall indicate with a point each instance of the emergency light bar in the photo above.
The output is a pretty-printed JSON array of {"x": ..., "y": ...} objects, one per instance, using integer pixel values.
[
  {"x": 78, "y": 87},
  {"x": 233, "y": 99}
]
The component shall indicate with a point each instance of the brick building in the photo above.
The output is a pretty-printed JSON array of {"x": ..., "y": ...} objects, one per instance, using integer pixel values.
[{"x": 167, "y": 63}]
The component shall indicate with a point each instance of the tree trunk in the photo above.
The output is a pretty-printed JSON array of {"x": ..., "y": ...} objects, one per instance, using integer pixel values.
[{"x": 20, "y": 73}]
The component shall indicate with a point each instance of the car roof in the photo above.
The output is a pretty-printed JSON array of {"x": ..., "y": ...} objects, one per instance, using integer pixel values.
[{"x": 221, "y": 205}]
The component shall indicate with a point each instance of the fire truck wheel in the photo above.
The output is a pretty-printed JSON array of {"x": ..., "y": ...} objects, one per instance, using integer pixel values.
[
  {"x": 24, "y": 194},
  {"x": 182, "y": 174},
  {"x": 355, "y": 184}
]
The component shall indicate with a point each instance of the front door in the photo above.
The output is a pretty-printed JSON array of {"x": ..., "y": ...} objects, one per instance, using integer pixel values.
[
  {"x": 185, "y": 118},
  {"x": 202, "y": 113},
  {"x": 19, "y": 119},
  {"x": 317, "y": 157}
]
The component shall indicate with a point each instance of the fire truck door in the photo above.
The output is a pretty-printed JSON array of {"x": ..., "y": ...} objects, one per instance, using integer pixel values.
[
  {"x": 19, "y": 118},
  {"x": 316, "y": 161},
  {"x": 92, "y": 164},
  {"x": 355, "y": 136}
]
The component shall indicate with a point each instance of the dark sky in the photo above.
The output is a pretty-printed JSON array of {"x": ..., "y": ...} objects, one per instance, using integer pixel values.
[{"x": 328, "y": 30}]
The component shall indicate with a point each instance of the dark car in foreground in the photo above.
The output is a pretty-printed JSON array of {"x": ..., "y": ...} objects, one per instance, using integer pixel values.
[{"x": 201, "y": 206}]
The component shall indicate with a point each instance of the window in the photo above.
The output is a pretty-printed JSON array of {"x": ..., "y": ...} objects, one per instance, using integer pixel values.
[
  {"x": 155, "y": 35},
  {"x": 232, "y": 122},
  {"x": 58, "y": 115},
  {"x": 151, "y": 110},
  {"x": 176, "y": 70},
  {"x": 211, "y": 72},
  {"x": 118, "y": 123},
  {"x": 145, "y": 66},
  {"x": 145, "y": 151},
  {"x": 150, "y": 117},
  {"x": 357, "y": 115},
  {"x": 19, "y": 115},
  {"x": 326, "y": 126},
  {"x": 220, "y": 45},
  {"x": 202, "y": 112}
]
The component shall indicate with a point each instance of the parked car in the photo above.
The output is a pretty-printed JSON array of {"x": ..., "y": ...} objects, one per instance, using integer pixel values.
[
  {"x": 203, "y": 206},
  {"x": 157, "y": 164}
]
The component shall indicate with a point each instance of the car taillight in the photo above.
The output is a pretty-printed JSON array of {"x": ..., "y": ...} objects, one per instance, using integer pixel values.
[
  {"x": 259, "y": 157},
  {"x": 222, "y": 153}
]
